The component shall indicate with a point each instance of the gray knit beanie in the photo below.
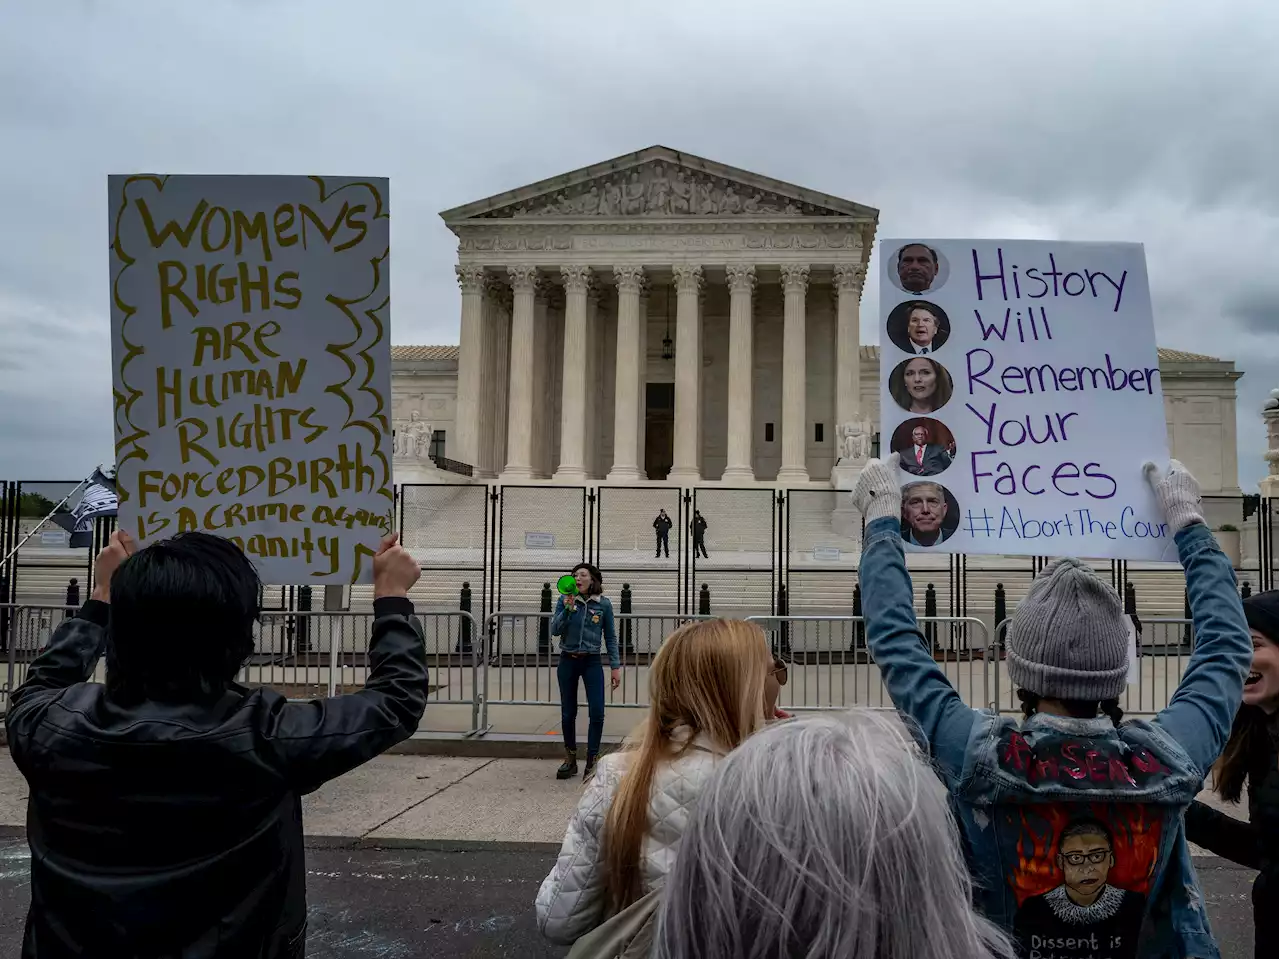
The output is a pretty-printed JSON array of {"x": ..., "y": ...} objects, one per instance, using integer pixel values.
[{"x": 1068, "y": 638}]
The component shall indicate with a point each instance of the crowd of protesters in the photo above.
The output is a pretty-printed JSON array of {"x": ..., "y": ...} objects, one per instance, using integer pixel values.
[{"x": 165, "y": 817}]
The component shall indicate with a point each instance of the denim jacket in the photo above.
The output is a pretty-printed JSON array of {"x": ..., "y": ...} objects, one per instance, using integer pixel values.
[
  {"x": 1054, "y": 806},
  {"x": 581, "y": 628}
]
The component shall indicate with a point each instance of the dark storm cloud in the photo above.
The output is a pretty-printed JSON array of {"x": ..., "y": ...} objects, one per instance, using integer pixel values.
[
  {"x": 1152, "y": 121},
  {"x": 1255, "y": 309}
]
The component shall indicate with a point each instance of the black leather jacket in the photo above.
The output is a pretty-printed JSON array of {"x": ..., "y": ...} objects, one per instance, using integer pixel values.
[{"x": 164, "y": 830}]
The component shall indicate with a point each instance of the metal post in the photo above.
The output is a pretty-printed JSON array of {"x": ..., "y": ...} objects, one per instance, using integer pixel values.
[
  {"x": 931, "y": 610},
  {"x": 1001, "y": 614},
  {"x": 464, "y": 625},
  {"x": 544, "y": 624},
  {"x": 704, "y": 601},
  {"x": 859, "y": 627},
  {"x": 628, "y": 646},
  {"x": 784, "y": 610}
]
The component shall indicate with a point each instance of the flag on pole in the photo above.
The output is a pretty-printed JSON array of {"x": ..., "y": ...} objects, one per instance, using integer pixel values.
[{"x": 99, "y": 499}]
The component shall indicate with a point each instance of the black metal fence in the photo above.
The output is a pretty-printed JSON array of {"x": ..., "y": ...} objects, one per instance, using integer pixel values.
[{"x": 731, "y": 551}]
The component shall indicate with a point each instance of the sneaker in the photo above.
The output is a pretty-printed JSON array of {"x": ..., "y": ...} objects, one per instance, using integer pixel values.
[
  {"x": 589, "y": 770},
  {"x": 569, "y": 768}
]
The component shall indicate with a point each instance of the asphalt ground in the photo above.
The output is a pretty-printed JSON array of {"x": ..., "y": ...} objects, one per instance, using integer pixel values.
[{"x": 476, "y": 900}]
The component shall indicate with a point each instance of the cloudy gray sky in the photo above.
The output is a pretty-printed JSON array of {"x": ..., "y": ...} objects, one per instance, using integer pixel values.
[{"x": 1150, "y": 120}]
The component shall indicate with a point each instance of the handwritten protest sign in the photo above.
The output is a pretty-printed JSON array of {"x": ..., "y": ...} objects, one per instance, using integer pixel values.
[
  {"x": 251, "y": 366},
  {"x": 1020, "y": 385}
]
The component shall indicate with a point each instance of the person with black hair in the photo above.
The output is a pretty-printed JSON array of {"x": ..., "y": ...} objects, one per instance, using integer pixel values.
[
  {"x": 1017, "y": 785},
  {"x": 165, "y": 814},
  {"x": 584, "y": 622},
  {"x": 917, "y": 267},
  {"x": 1250, "y": 754}
]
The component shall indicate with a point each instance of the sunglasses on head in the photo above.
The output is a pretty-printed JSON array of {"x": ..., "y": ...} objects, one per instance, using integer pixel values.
[{"x": 779, "y": 671}]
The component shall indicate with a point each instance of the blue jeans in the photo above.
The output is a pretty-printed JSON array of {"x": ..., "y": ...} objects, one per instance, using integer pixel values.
[{"x": 591, "y": 671}]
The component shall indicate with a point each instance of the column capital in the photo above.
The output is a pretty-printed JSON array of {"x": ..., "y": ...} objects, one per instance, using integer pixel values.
[
  {"x": 471, "y": 279},
  {"x": 524, "y": 279},
  {"x": 795, "y": 277},
  {"x": 688, "y": 277},
  {"x": 741, "y": 277},
  {"x": 576, "y": 278},
  {"x": 849, "y": 277},
  {"x": 629, "y": 278}
]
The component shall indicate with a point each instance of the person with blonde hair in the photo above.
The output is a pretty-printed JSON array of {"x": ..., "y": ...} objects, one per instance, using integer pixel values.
[
  {"x": 708, "y": 691},
  {"x": 824, "y": 837}
]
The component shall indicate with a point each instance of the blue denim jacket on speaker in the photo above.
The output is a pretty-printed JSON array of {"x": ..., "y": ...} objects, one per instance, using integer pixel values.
[
  {"x": 1073, "y": 828},
  {"x": 582, "y": 629}
]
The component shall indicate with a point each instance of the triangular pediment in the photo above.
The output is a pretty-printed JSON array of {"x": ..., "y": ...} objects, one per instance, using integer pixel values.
[{"x": 659, "y": 182}]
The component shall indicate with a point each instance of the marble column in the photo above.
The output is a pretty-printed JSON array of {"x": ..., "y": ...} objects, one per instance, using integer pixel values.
[
  {"x": 642, "y": 376},
  {"x": 738, "y": 465},
  {"x": 795, "y": 283},
  {"x": 573, "y": 395},
  {"x": 498, "y": 319},
  {"x": 519, "y": 466},
  {"x": 847, "y": 282},
  {"x": 687, "y": 460},
  {"x": 626, "y": 403},
  {"x": 544, "y": 362},
  {"x": 472, "y": 361}
]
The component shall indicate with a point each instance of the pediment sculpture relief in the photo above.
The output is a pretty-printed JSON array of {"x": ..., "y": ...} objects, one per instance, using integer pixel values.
[{"x": 658, "y": 189}]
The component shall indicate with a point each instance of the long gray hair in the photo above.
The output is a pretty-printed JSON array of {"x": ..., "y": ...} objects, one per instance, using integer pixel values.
[{"x": 824, "y": 838}]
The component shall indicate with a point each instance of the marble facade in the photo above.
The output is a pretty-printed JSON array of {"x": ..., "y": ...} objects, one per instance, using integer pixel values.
[{"x": 664, "y": 316}]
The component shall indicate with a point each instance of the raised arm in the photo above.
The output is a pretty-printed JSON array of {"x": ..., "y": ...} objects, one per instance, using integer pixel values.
[
  {"x": 322, "y": 739},
  {"x": 73, "y": 650},
  {"x": 1200, "y": 711},
  {"x": 1224, "y": 835},
  {"x": 917, "y": 686},
  {"x": 560, "y": 618},
  {"x": 70, "y": 658}
]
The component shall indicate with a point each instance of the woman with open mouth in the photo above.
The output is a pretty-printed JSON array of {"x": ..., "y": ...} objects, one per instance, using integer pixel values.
[{"x": 1250, "y": 752}]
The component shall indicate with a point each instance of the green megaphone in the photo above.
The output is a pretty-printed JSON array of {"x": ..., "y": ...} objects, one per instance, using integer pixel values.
[{"x": 567, "y": 585}]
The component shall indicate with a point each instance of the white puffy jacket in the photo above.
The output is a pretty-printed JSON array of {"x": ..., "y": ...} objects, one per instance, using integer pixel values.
[{"x": 571, "y": 901}]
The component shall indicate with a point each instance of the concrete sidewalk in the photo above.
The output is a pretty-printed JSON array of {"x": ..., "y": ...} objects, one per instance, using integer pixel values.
[{"x": 428, "y": 801}]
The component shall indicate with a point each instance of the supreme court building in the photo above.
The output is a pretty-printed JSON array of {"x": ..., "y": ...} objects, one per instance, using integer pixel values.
[{"x": 663, "y": 318}]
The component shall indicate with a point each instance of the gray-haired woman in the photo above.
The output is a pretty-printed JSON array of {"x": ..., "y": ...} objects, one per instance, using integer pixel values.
[{"x": 823, "y": 837}]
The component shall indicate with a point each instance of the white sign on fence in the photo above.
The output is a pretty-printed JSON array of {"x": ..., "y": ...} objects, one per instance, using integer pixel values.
[
  {"x": 251, "y": 366},
  {"x": 539, "y": 540},
  {"x": 826, "y": 554},
  {"x": 1020, "y": 385},
  {"x": 53, "y": 538}
]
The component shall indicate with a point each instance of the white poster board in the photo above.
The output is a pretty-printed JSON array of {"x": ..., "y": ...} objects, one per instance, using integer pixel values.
[
  {"x": 251, "y": 360},
  {"x": 1020, "y": 384}
]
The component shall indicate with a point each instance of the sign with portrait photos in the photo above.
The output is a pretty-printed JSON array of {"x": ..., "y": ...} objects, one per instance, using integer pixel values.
[{"x": 1021, "y": 389}]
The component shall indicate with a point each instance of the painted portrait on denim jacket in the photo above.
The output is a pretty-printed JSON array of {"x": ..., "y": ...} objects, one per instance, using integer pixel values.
[{"x": 1081, "y": 877}]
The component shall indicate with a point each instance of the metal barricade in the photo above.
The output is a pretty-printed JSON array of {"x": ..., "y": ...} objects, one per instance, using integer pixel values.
[
  {"x": 310, "y": 654},
  {"x": 1163, "y": 651},
  {"x": 520, "y": 665},
  {"x": 830, "y": 666}
]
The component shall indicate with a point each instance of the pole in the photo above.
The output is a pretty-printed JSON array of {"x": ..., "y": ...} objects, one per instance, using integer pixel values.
[{"x": 23, "y": 542}]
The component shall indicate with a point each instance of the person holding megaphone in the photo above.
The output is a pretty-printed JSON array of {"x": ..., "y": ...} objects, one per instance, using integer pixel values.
[{"x": 582, "y": 620}]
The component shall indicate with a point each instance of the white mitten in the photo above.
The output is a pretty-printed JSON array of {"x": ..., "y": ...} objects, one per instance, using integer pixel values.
[
  {"x": 877, "y": 493},
  {"x": 1178, "y": 494}
]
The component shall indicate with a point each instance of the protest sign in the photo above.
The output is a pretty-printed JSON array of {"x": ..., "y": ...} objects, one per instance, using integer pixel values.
[
  {"x": 251, "y": 366},
  {"x": 1020, "y": 385}
]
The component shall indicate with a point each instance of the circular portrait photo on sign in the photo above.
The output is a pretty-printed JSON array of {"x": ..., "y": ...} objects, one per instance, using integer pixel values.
[
  {"x": 930, "y": 514},
  {"x": 918, "y": 327},
  {"x": 918, "y": 268},
  {"x": 920, "y": 385},
  {"x": 926, "y": 446}
]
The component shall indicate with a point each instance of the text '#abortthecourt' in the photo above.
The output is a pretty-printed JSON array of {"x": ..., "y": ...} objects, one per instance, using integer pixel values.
[{"x": 250, "y": 321}]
